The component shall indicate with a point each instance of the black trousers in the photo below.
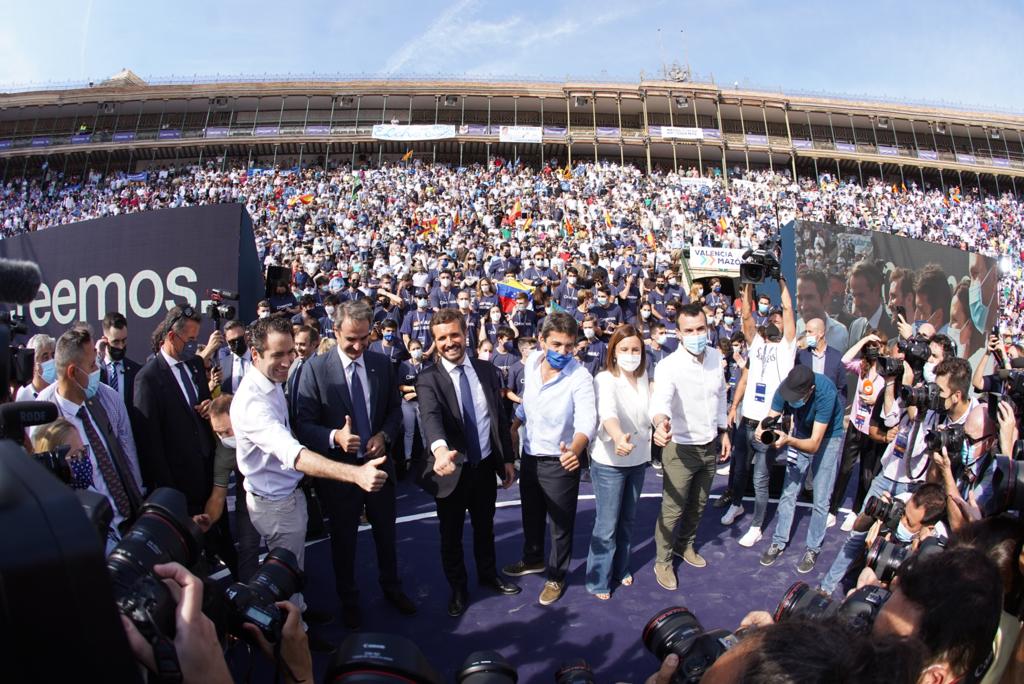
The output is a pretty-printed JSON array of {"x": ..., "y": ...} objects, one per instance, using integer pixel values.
[
  {"x": 248, "y": 537},
  {"x": 857, "y": 448},
  {"x": 549, "y": 492},
  {"x": 344, "y": 503},
  {"x": 475, "y": 492}
]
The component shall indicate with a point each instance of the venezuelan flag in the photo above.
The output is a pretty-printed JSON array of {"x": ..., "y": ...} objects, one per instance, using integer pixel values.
[{"x": 507, "y": 292}]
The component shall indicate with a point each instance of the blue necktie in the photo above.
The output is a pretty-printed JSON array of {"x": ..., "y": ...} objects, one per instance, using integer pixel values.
[
  {"x": 473, "y": 452},
  {"x": 112, "y": 373},
  {"x": 193, "y": 399},
  {"x": 359, "y": 415}
]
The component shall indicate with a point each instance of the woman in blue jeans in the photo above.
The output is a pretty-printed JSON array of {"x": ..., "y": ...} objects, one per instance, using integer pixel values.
[{"x": 619, "y": 459}]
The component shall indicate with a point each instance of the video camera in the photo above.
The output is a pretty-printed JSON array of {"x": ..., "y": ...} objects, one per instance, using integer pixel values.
[
  {"x": 15, "y": 362},
  {"x": 217, "y": 310},
  {"x": 761, "y": 263},
  {"x": 677, "y": 630},
  {"x": 775, "y": 427},
  {"x": 858, "y": 610}
]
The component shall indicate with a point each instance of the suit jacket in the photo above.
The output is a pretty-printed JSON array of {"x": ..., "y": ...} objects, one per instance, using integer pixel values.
[
  {"x": 175, "y": 445},
  {"x": 227, "y": 365},
  {"x": 441, "y": 418},
  {"x": 323, "y": 402},
  {"x": 131, "y": 369},
  {"x": 859, "y": 328},
  {"x": 834, "y": 369}
]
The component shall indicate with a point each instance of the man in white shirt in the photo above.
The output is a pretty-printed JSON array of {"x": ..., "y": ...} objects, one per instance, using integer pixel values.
[
  {"x": 44, "y": 369},
  {"x": 688, "y": 409},
  {"x": 271, "y": 459}
]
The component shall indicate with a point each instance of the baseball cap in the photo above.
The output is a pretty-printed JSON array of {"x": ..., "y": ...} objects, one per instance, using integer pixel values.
[
  {"x": 796, "y": 385},
  {"x": 772, "y": 332}
]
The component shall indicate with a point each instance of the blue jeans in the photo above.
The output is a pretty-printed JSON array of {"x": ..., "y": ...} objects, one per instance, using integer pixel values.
[
  {"x": 824, "y": 464},
  {"x": 616, "y": 492},
  {"x": 853, "y": 548},
  {"x": 746, "y": 449}
]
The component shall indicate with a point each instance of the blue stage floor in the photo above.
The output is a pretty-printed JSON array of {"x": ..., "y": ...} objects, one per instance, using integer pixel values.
[{"x": 537, "y": 639}]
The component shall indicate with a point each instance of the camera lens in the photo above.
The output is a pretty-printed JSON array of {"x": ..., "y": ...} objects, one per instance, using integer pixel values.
[
  {"x": 574, "y": 672},
  {"x": 803, "y": 602},
  {"x": 885, "y": 558},
  {"x": 486, "y": 667},
  {"x": 373, "y": 658},
  {"x": 278, "y": 578},
  {"x": 861, "y": 607},
  {"x": 1008, "y": 485},
  {"x": 671, "y": 631}
]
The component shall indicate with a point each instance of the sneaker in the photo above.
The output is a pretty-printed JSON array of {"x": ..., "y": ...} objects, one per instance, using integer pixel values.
[
  {"x": 552, "y": 592},
  {"x": 851, "y": 518},
  {"x": 830, "y": 522},
  {"x": 520, "y": 568},
  {"x": 666, "y": 578},
  {"x": 724, "y": 500},
  {"x": 806, "y": 563},
  {"x": 751, "y": 537},
  {"x": 771, "y": 555},
  {"x": 723, "y": 469},
  {"x": 656, "y": 465},
  {"x": 732, "y": 514},
  {"x": 691, "y": 557}
]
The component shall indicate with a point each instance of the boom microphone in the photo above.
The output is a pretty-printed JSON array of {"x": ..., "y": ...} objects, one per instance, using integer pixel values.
[{"x": 19, "y": 281}]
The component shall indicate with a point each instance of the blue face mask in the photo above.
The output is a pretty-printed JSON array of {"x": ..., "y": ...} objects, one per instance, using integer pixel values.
[
  {"x": 798, "y": 404},
  {"x": 762, "y": 309},
  {"x": 389, "y": 336},
  {"x": 189, "y": 350},
  {"x": 903, "y": 534},
  {"x": 695, "y": 344},
  {"x": 93, "y": 384},
  {"x": 48, "y": 371},
  {"x": 556, "y": 360},
  {"x": 729, "y": 320},
  {"x": 979, "y": 309}
]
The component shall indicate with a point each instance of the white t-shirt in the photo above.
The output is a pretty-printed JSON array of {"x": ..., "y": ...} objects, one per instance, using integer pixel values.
[{"x": 769, "y": 363}]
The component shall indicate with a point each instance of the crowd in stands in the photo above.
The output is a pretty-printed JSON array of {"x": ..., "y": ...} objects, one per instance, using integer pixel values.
[{"x": 570, "y": 212}]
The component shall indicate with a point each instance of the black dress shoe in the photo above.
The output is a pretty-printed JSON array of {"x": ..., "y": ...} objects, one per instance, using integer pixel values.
[
  {"x": 352, "y": 616},
  {"x": 400, "y": 601},
  {"x": 458, "y": 602},
  {"x": 318, "y": 645},
  {"x": 500, "y": 586},
  {"x": 317, "y": 617}
]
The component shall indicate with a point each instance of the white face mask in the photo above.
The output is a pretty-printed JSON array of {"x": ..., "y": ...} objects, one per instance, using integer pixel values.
[
  {"x": 264, "y": 314},
  {"x": 485, "y": 356},
  {"x": 463, "y": 304},
  {"x": 228, "y": 442},
  {"x": 495, "y": 316},
  {"x": 628, "y": 362},
  {"x": 329, "y": 310},
  {"x": 660, "y": 339},
  {"x": 602, "y": 301},
  {"x": 416, "y": 354},
  {"x": 588, "y": 333}
]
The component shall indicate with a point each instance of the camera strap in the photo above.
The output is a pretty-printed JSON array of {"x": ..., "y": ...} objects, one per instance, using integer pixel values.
[
  {"x": 165, "y": 657},
  {"x": 910, "y": 447}
]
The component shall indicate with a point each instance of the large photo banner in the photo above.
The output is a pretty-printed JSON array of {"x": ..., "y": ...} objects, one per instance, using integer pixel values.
[
  {"x": 860, "y": 279},
  {"x": 140, "y": 265}
]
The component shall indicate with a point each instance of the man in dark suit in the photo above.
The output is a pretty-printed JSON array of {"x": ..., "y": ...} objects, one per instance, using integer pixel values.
[
  {"x": 237, "y": 361},
  {"x": 866, "y": 287},
  {"x": 117, "y": 371},
  {"x": 821, "y": 358},
  {"x": 470, "y": 442},
  {"x": 347, "y": 408},
  {"x": 172, "y": 431}
]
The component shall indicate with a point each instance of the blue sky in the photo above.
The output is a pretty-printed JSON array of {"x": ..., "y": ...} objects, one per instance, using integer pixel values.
[{"x": 957, "y": 52}]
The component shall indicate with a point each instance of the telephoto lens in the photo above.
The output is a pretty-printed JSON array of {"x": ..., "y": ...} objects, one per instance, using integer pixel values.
[
  {"x": 885, "y": 558},
  {"x": 255, "y": 601},
  {"x": 800, "y": 600},
  {"x": 888, "y": 512},
  {"x": 486, "y": 667},
  {"x": 574, "y": 672},
  {"x": 163, "y": 533},
  {"x": 1008, "y": 485},
  {"x": 374, "y": 658},
  {"x": 858, "y": 610},
  {"x": 677, "y": 630}
]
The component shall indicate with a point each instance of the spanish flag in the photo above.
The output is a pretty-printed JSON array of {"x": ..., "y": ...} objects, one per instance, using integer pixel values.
[
  {"x": 607, "y": 219},
  {"x": 457, "y": 219},
  {"x": 723, "y": 225},
  {"x": 517, "y": 210},
  {"x": 529, "y": 222},
  {"x": 649, "y": 239},
  {"x": 306, "y": 199},
  {"x": 568, "y": 226},
  {"x": 407, "y": 156}
]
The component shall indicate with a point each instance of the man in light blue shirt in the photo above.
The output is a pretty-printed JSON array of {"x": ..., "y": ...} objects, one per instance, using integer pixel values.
[{"x": 560, "y": 415}]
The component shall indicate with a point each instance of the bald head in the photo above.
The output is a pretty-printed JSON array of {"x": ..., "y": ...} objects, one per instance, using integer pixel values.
[
  {"x": 926, "y": 330},
  {"x": 815, "y": 326},
  {"x": 978, "y": 423}
]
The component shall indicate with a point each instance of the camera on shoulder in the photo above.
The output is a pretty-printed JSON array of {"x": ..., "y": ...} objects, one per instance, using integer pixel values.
[{"x": 762, "y": 263}]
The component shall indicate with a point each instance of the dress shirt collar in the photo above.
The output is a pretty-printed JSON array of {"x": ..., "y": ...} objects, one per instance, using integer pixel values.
[
  {"x": 449, "y": 366},
  {"x": 172, "y": 362},
  {"x": 346, "y": 360},
  {"x": 262, "y": 382},
  {"x": 67, "y": 407}
]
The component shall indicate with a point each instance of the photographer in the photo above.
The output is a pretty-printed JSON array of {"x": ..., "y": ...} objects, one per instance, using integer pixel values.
[
  {"x": 813, "y": 442},
  {"x": 905, "y": 461},
  {"x": 994, "y": 358}
]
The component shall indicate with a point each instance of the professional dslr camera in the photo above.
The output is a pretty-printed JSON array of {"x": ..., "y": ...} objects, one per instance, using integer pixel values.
[
  {"x": 761, "y": 263},
  {"x": 915, "y": 350},
  {"x": 888, "y": 512},
  {"x": 925, "y": 397},
  {"x": 1007, "y": 383},
  {"x": 677, "y": 630},
  {"x": 775, "y": 427},
  {"x": 858, "y": 610},
  {"x": 1008, "y": 481},
  {"x": 217, "y": 310},
  {"x": 885, "y": 557},
  {"x": 888, "y": 367},
  {"x": 254, "y": 602},
  {"x": 949, "y": 436}
]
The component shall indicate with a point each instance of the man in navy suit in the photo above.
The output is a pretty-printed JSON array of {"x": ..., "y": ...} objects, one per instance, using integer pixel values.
[
  {"x": 469, "y": 441},
  {"x": 820, "y": 357},
  {"x": 348, "y": 409},
  {"x": 237, "y": 361}
]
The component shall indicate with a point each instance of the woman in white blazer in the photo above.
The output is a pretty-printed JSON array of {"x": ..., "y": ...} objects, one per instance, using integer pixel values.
[{"x": 619, "y": 459}]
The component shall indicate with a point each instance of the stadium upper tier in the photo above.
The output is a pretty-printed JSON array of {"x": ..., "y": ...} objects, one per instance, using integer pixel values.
[{"x": 125, "y": 123}]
